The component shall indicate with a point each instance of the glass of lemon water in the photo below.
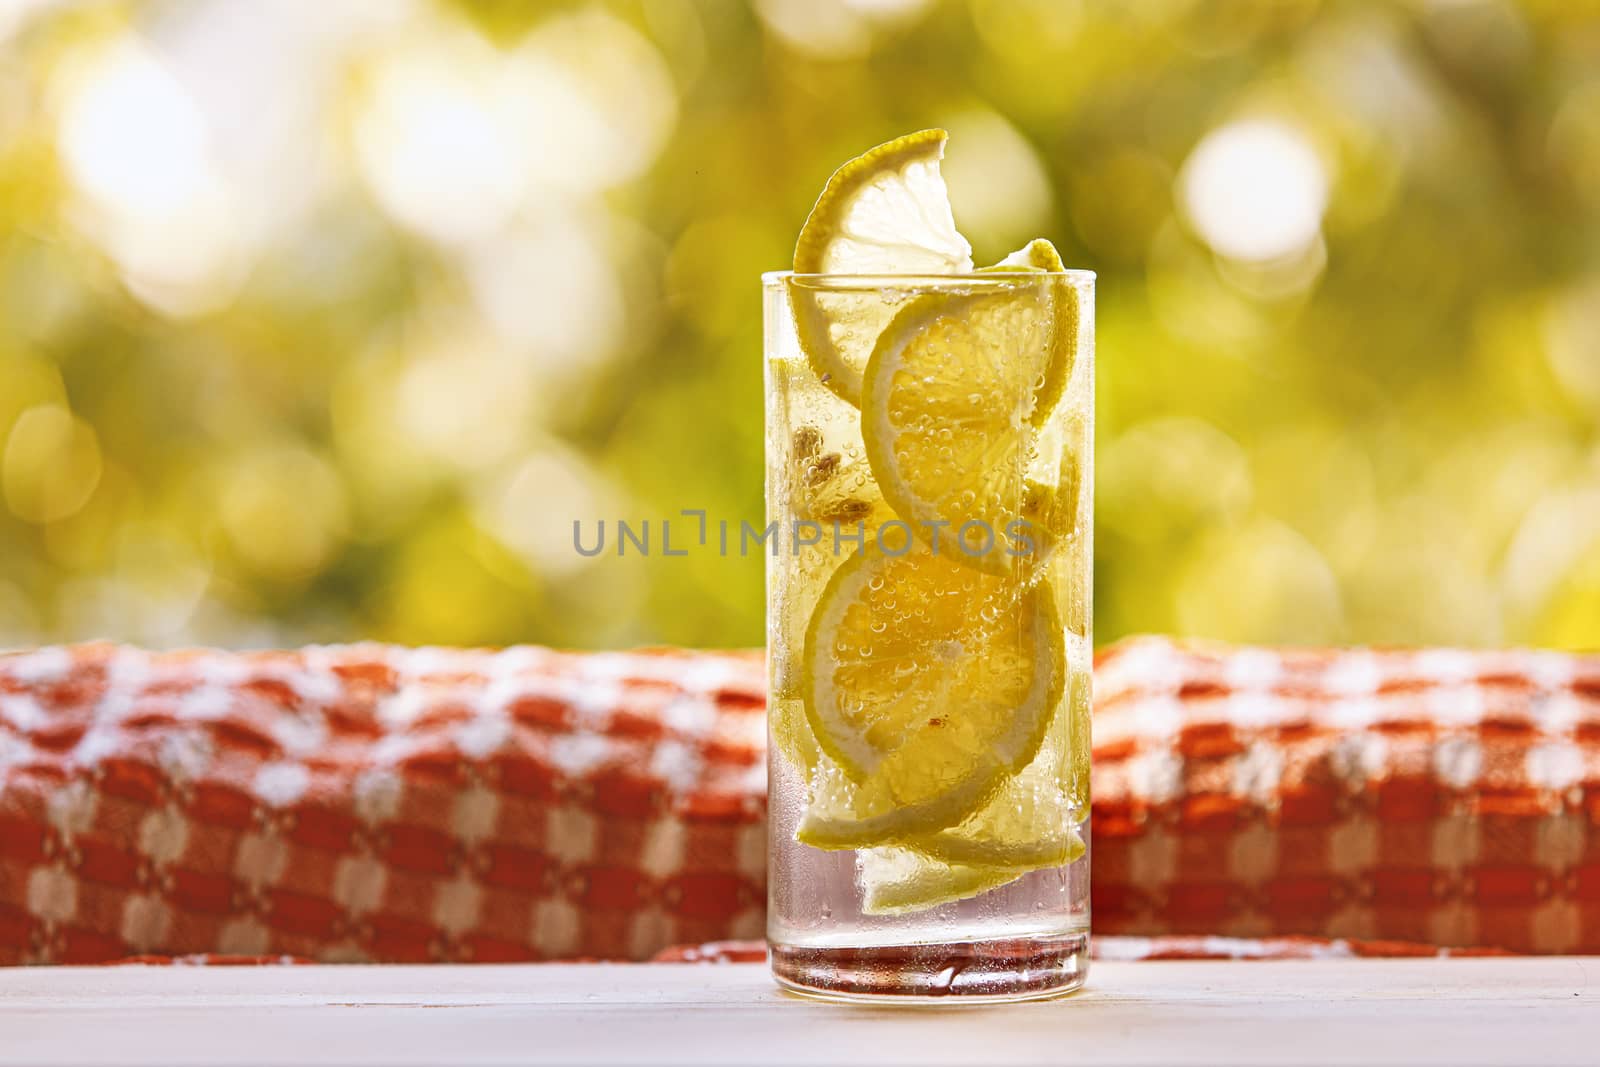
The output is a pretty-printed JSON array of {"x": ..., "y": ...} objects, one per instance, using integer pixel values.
[{"x": 929, "y": 486}]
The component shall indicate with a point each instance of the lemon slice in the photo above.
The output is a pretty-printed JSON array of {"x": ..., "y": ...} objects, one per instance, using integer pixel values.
[
  {"x": 817, "y": 476},
  {"x": 791, "y": 735},
  {"x": 1028, "y": 842},
  {"x": 895, "y": 881},
  {"x": 947, "y": 400},
  {"x": 1041, "y": 255},
  {"x": 843, "y": 812},
  {"x": 1077, "y": 714},
  {"x": 1029, "y": 824},
  {"x": 1049, "y": 517},
  {"x": 926, "y": 683},
  {"x": 884, "y": 212}
]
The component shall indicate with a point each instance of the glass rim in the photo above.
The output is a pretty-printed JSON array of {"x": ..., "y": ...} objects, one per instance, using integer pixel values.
[{"x": 966, "y": 277}]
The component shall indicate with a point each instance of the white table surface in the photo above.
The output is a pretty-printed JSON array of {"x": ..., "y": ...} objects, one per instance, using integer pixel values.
[{"x": 1366, "y": 1012}]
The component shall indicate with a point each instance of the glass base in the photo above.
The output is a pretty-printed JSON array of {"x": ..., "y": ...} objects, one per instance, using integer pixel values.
[{"x": 953, "y": 971}]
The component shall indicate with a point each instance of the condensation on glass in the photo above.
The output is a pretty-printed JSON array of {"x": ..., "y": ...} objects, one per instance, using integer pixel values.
[{"x": 865, "y": 921}]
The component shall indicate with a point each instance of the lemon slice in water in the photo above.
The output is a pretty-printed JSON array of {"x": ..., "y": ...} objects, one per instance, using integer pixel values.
[
  {"x": 1030, "y": 822},
  {"x": 926, "y": 683},
  {"x": 947, "y": 400},
  {"x": 896, "y": 880}
]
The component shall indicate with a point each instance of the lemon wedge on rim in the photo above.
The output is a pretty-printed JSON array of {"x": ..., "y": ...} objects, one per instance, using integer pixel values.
[{"x": 1040, "y": 255}]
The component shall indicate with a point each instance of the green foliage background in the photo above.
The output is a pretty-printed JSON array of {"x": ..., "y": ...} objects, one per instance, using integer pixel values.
[{"x": 260, "y": 383}]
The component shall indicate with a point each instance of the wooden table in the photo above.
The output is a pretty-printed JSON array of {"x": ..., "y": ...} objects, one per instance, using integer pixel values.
[{"x": 1365, "y": 1012}]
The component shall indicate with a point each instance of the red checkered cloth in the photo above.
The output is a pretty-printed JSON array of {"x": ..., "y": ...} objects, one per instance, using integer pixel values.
[
  {"x": 1436, "y": 796},
  {"x": 375, "y": 803},
  {"x": 372, "y": 803}
]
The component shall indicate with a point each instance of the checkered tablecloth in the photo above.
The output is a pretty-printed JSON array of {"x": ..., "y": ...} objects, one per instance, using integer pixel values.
[
  {"x": 1436, "y": 796},
  {"x": 373, "y": 803}
]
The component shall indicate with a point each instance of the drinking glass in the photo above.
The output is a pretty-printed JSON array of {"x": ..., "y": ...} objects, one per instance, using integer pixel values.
[{"x": 929, "y": 496}]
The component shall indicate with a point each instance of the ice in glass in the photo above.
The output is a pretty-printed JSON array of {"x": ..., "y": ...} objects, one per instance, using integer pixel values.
[{"x": 929, "y": 485}]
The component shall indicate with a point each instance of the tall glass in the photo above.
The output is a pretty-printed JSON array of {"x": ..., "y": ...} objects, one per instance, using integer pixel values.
[{"x": 929, "y": 506}]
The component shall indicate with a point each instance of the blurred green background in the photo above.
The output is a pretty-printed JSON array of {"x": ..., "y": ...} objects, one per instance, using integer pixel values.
[{"x": 324, "y": 321}]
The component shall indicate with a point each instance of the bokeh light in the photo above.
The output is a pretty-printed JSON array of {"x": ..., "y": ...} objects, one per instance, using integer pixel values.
[
  {"x": 1255, "y": 190},
  {"x": 998, "y": 185},
  {"x": 326, "y": 321},
  {"x": 438, "y": 140},
  {"x": 595, "y": 101},
  {"x": 548, "y": 287},
  {"x": 51, "y": 464},
  {"x": 833, "y": 29},
  {"x": 135, "y": 147}
]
